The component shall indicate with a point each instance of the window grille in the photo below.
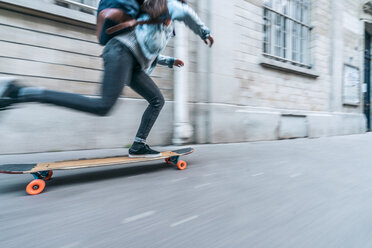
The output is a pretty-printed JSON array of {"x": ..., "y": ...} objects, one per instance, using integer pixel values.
[{"x": 286, "y": 31}]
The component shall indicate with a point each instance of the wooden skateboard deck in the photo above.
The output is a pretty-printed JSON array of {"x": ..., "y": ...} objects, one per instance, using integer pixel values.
[{"x": 44, "y": 171}]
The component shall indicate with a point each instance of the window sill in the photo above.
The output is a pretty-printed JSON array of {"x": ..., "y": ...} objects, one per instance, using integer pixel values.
[
  {"x": 282, "y": 66},
  {"x": 51, "y": 11}
]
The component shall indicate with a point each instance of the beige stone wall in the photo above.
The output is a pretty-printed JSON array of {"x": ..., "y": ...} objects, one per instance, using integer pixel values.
[
  {"x": 66, "y": 57},
  {"x": 321, "y": 53},
  {"x": 264, "y": 87},
  {"x": 48, "y": 53},
  {"x": 258, "y": 86},
  {"x": 58, "y": 56},
  {"x": 232, "y": 97}
]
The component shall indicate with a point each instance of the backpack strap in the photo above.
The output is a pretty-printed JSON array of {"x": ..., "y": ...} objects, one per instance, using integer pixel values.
[
  {"x": 132, "y": 24},
  {"x": 108, "y": 18}
]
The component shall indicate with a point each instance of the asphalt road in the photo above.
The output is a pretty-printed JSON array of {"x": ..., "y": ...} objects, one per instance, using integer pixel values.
[{"x": 304, "y": 193}]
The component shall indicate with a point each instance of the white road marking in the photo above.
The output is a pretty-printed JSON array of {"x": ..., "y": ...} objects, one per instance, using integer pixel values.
[
  {"x": 178, "y": 180},
  {"x": 258, "y": 174},
  {"x": 201, "y": 185},
  {"x": 184, "y": 221},
  {"x": 138, "y": 217},
  {"x": 295, "y": 175},
  {"x": 211, "y": 174}
]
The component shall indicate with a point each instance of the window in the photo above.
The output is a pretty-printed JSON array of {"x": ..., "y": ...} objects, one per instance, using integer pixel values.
[
  {"x": 87, "y": 6},
  {"x": 287, "y": 31}
]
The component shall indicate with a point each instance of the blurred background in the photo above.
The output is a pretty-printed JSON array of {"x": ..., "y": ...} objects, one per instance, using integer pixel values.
[{"x": 279, "y": 69}]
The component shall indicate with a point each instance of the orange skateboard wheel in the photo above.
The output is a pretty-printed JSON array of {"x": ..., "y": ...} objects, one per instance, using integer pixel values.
[
  {"x": 181, "y": 165},
  {"x": 49, "y": 176},
  {"x": 35, "y": 187},
  {"x": 167, "y": 160}
]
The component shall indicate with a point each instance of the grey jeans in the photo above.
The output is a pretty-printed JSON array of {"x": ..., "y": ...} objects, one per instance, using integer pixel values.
[{"x": 120, "y": 68}]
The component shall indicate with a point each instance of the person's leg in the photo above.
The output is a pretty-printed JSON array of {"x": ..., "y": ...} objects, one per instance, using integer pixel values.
[
  {"x": 119, "y": 64},
  {"x": 145, "y": 86}
]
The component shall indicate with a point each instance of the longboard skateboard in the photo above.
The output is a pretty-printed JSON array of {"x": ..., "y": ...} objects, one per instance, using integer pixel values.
[{"x": 43, "y": 171}]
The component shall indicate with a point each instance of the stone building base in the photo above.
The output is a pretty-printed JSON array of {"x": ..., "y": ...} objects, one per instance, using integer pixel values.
[
  {"x": 239, "y": 124},
  {"x": 42, "y": 128}
]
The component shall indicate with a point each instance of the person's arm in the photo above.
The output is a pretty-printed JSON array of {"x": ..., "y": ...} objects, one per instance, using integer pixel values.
[
  {"x": 169, "y": 61},
  {"x": 182, "y": 12},
  {"x": 166, "y": 61}
]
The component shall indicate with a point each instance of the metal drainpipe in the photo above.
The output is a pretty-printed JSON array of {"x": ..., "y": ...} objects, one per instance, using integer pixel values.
[{"x": 182, "y": 129}]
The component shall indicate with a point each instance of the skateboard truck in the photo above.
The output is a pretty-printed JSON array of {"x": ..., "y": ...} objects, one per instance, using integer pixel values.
[
  {"x": 45, "y": 175},
  {"x": 181, "y": 165}
]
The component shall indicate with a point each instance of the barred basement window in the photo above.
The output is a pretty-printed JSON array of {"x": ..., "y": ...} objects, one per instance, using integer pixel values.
[
  {"x": 87, "y": 6},
  {"x": 287, "y": 31}
]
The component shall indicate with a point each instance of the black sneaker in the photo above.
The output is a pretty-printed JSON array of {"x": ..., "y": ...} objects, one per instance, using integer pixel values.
[
  {"x": 6, "y": 102},
  {"x": 141, "y": 150},
  {"x": 9, "y": 88}
]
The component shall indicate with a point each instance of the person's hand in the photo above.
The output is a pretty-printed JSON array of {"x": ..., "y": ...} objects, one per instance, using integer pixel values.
[
  {"x": 178, "y": 63},
  {"x": 209, "y": 41}
]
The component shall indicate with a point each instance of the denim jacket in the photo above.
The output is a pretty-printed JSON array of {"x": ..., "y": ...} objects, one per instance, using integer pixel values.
[{"x": 153, "y": 38}]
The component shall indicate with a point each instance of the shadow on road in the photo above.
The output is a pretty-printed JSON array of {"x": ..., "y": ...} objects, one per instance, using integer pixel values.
[{"x": 80, "y": 176}]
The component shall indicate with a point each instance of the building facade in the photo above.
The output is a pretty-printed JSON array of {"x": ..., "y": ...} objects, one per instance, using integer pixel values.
[{"x": 279, "y": 69}]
